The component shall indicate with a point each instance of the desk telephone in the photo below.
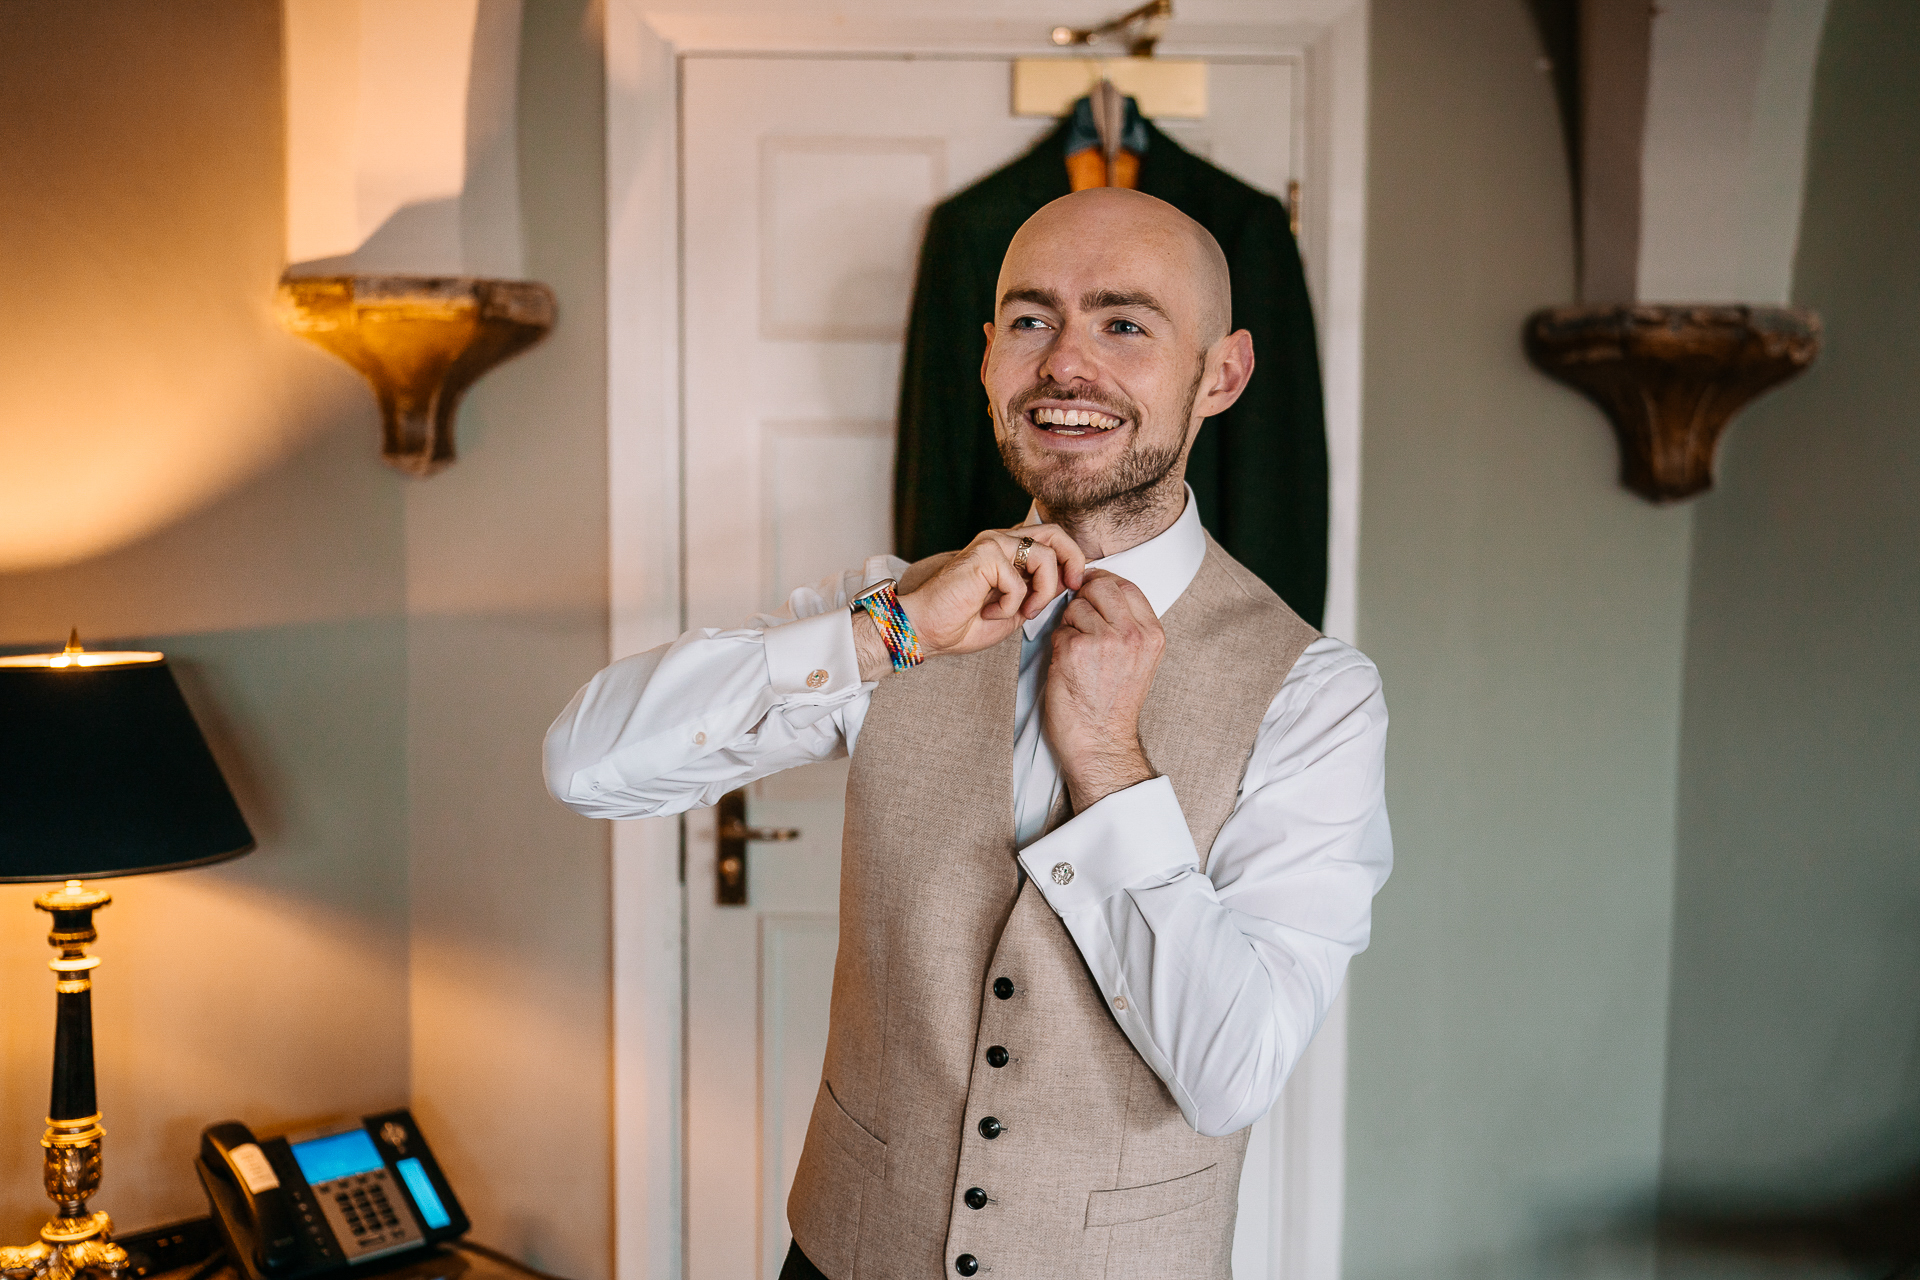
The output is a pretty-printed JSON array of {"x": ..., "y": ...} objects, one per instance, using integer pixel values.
[{"x": 299, "y": 1206}]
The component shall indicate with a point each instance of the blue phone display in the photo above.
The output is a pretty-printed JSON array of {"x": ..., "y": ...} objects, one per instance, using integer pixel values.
[
  {"x": 432, "y": 1212},
  {"x": 339, "y": 1155}
]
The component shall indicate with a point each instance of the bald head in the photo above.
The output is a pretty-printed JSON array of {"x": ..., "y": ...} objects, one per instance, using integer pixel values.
[{"x": 1139, "y": 234}]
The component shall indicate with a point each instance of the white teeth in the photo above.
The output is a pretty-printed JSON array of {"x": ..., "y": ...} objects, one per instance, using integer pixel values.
[{"x": 1075, "y": 418}]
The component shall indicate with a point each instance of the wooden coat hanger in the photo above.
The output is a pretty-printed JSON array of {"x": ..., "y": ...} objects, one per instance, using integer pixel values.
[{"x": 1113, "y": 165}]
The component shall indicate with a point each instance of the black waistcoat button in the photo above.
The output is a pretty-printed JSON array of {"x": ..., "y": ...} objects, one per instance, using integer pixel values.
[
  {"x": 997, "y": 1056},
  {"x": 1003, "y": 987},
  {"x": 966, "y": 1264},
  {"x": 990, "y": 1127},
  {"x": 976, "y": 1198}
]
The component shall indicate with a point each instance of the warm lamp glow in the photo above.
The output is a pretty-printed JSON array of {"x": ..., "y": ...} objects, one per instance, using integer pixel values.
[
  {"x": 104, "y": 658},
  {"x": 74, "y": 656},
  {"x": 157, "y": 425}
]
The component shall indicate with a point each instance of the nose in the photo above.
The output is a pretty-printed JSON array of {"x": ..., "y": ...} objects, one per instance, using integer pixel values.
[{"x": 1070, "y": 358}]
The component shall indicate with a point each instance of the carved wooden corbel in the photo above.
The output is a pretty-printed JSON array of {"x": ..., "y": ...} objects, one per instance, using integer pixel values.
[
  {"x": 421, "y": 341},
  {"x": 1665, "y": 208},
  {"x": 1671, "y": 377}
]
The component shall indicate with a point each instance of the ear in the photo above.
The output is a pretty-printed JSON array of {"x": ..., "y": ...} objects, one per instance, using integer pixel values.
[
  {"x": 1229, "y": 366},
  {"x": 986, "y": 355}
]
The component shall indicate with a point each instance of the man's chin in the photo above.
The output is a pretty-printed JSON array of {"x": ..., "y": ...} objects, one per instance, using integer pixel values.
[
  {"x": 1070, "y": 488},
  {"x": 1067, "y": 484},
  {"x": 1060, "y": 480}
]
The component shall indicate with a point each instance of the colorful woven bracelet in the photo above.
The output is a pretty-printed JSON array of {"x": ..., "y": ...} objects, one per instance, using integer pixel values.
[{"x": 883, "y": 606}]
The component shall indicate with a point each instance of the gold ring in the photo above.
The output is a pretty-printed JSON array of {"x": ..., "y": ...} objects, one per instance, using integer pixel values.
[{"x": 1020, "y": 554}]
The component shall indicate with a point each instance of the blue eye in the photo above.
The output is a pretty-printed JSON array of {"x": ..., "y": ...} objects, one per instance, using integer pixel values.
[
  {"x": 1028, "y": 322},
  {"x": 1126, "y": 326}
]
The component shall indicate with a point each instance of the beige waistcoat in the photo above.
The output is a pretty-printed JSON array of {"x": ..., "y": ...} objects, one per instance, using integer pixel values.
[{"x": 1095, "y": 1174}]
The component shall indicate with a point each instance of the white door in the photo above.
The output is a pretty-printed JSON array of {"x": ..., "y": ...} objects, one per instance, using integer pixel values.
[{"x": 806, "y": 184}]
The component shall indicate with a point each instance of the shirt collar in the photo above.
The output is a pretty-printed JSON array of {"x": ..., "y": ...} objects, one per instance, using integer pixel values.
[{"x": 1161, "y": 567}]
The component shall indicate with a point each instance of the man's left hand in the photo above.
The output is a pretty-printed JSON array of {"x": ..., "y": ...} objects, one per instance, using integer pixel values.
[{"x": 1105, "y": 651}]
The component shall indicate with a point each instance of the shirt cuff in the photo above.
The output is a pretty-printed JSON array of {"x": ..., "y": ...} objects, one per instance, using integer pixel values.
[
  {"x": 1132, "y": 839},
  {"x": 814, "y": 657}
]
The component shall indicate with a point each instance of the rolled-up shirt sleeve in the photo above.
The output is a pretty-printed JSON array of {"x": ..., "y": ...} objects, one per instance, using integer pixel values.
[
  {"x": 1220, "y": 978},
  {"x": 680, "y": 725}
]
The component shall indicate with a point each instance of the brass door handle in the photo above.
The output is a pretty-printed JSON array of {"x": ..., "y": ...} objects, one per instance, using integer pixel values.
[
  {"x": 772, "y": 835},
  {"x": 730, "y": 882}
]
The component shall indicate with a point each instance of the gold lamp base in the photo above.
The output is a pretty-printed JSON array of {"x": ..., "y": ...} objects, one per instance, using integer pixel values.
[
  {"x": 74, "y": 1240},
  {"x": 66, "y": 1247}
]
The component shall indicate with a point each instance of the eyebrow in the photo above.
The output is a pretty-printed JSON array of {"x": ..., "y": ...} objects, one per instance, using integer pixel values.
[
  {"x": 1093, "y": 300},
  {"x": 1109, "y": 299},
  {"x": 1038, "y": 297}
]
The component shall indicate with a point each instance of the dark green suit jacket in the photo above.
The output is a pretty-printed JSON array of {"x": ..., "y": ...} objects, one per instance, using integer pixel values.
[{"x": 1259, "y": 470}]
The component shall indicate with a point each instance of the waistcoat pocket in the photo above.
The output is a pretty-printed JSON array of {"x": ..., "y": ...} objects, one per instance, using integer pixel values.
[
  {"x": 847, "y": 1133},
  {"x": 1156, "y": 1199},
  {"x": 840, "y": 1166}
]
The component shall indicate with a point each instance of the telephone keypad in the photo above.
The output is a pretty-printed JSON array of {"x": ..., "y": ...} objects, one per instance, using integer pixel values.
[{"x": 367, "y": 1214}]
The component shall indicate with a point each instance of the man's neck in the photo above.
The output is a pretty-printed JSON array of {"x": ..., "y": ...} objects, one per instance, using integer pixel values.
[{"x": 1124, "y": 523}]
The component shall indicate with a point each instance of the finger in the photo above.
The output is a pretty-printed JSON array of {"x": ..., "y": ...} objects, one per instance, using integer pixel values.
[
  {"x": 1126, "y": 610},
  {"x": 1009, "y": 540},
  {"x": 1139, "y": 605},
  {"x": 1043, "y": 574},
  {"x": 1043, "y": 569},
  {"x": 1080, "y": 615},
  {"x": 1105, "y": 593},
  {"x": 1072, "y": 560},
  {"x": 997, "y": 572},
  {"x": 1120, "y": 600}
]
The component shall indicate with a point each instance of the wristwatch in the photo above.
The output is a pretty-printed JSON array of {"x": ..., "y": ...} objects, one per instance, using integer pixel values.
[{"x": 880, "y": 602}]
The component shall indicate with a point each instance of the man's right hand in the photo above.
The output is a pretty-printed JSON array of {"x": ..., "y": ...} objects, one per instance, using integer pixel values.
[{"x": 978, "y": 597}]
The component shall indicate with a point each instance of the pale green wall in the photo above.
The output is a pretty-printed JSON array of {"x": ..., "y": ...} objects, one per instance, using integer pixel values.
[
  {"x": 507, "y": 589},
  {"x": 1795, "y": 1065},
  {"x": 1509, "y": 1022},
  {"x": 1619, "y": 960}
]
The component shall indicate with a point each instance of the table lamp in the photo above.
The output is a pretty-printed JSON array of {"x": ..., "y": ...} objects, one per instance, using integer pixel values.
[{"x": 103, "y": 772}]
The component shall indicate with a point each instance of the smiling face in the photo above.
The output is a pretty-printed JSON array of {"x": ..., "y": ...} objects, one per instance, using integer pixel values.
[{"x": 1108, "y": 349}]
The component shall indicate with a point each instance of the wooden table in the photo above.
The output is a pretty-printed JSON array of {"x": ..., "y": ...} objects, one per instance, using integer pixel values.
[{"x": 442, "y": 1262}]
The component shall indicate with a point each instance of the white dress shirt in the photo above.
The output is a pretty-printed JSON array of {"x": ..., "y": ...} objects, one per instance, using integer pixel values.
[{"x": 1219, "y": 978}]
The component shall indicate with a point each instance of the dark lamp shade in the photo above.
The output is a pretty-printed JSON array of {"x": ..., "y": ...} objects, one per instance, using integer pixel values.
[{"x": 103, "y": 772}]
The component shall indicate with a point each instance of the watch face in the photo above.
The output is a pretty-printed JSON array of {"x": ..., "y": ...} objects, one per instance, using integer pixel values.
[{"x": 873, "y": 590}]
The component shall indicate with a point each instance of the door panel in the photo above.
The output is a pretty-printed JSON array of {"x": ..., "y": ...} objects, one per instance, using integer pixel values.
[
  {"x": 839, "y": 233},
  {"x": 817, "y": 498},
  {"x": 796, "y": 977}
]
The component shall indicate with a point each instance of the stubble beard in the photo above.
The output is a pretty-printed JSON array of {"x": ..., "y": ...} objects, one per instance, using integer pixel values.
[{"x": 1126, "y": 490}]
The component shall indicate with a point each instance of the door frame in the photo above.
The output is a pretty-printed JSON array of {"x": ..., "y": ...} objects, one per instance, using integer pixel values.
[{"x": 646, "y": 524}]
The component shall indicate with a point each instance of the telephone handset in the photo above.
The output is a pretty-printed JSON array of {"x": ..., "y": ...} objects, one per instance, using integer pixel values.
[{"x": 292, "y": 1208}]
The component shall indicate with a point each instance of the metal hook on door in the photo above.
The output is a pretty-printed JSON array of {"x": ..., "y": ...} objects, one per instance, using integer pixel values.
[
  {"x": 1140, "y": 28},
  {"x": 732, "y": 834}
]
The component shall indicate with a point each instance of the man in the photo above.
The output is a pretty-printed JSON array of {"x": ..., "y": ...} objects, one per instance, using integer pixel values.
[{"x": 1115, "y": 815}]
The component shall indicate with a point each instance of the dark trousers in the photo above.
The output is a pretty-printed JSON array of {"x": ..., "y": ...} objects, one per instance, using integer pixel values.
[{"x": 798, "y": 1268}]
